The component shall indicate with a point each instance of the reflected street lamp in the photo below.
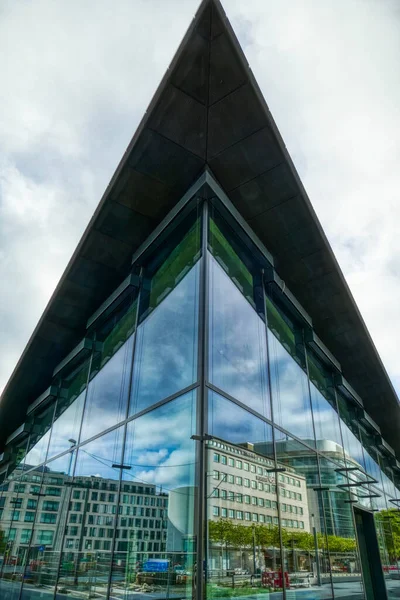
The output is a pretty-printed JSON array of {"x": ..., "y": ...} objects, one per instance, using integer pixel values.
[
  {"x": 73, "y": 444},
  {"x": 254, "y": 550},
  {"x": 294, "y": 557}
]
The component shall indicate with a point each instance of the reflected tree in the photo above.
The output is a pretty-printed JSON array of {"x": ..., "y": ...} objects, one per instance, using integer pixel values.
[
  {"x": 390, "y": 525},
  {"x": 230, "y": 535}
]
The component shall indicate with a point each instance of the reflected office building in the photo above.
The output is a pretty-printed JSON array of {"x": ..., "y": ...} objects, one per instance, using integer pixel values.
[{"x": 200, "y": 411}]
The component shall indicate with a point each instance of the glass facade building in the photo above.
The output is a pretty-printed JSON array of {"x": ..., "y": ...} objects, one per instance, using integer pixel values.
[{"x": 200, "y": 441}]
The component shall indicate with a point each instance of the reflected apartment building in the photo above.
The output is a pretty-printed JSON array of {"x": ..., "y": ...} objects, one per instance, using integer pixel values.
[
  {"x": 92, "y": 506},
  {"x": 243, "y": 488},
  {"x": 201, "y": 393}
]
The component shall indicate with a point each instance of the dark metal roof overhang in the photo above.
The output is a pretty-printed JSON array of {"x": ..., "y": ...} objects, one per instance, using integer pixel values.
[{"x": 207, "y": 112}]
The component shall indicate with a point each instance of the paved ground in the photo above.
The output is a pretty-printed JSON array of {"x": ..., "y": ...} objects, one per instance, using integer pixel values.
[{"x": 343, "y": 591}]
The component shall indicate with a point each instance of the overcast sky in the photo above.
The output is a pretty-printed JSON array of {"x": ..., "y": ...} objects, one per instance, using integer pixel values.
[{"x": 77, "y": 76}]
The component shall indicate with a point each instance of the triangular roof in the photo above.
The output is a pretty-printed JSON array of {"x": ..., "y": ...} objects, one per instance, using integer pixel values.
[{"x": 207, "y": 112}]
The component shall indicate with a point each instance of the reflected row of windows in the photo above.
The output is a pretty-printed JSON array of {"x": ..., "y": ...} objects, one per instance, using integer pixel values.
[
  {"x": 254, "y": 517},
  {"x": 240, "y": 497},
  {"x": 224, "y": 460},
  {"x": 256, "y": 501}
]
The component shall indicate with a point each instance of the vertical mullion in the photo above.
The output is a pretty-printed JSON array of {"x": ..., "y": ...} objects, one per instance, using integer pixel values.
[
  {"x": 273, "y": 436},
  {"x": 309, "y": 386},
  {"x": 202, "y": 408},
  {"x": 135, "y": 333}
]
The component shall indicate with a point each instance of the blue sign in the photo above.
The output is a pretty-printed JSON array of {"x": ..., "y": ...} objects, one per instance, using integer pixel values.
[
  {"x": 158, "y": 565},
  {"x": 42, "y": 548}
]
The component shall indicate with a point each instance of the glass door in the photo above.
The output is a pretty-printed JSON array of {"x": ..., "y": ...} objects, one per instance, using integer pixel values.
[{"x": 374, "y": 584}]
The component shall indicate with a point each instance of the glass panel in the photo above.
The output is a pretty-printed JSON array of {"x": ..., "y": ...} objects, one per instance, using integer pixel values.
[
  {"x": 166, "y": 349},
  {"x": 323, "y": 402},
  {"x": 338, "y": 511},
  {"x": 371, "y": 457},
  {"x": 388, "y": 483},
  {"x": 363, "y": 551},
  {"x": 15, "y": 469},
  {"x": 387, "y": 523},
  {"x": 358, "y": 481},
  {"x": 290, "y": 393},
  {"x": 340, "y": 529},
  {"x": 15, "y": 529},
  {"x": 350, "y": 433},
  {"x": 238, "y": 349},
  {"x": 303, "y": 523},
  {"x": 68, "y": 414},
  {"x": 241, "y": 502},
  {"x": 46, "y": 517},
  {"x": 378, "y": 505},
  {"x": 83, "y": 568},
  {"x": 233, "y": 257},
  {"x": 155, "y": 548},
  {"x": 107, "y": 397},
  {"x": 40, "y": 527},
  {"x": 237, "y": 336},
  {"x": 387, "y": 530},
  {"x": 39, "y": 437}
]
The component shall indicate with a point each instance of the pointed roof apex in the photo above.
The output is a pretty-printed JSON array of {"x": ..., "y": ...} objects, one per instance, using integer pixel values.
[{"x": 208, "y": 112}]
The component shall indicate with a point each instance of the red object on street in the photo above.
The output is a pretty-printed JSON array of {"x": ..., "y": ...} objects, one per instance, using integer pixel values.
[{"x": 274, "y": 579}]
